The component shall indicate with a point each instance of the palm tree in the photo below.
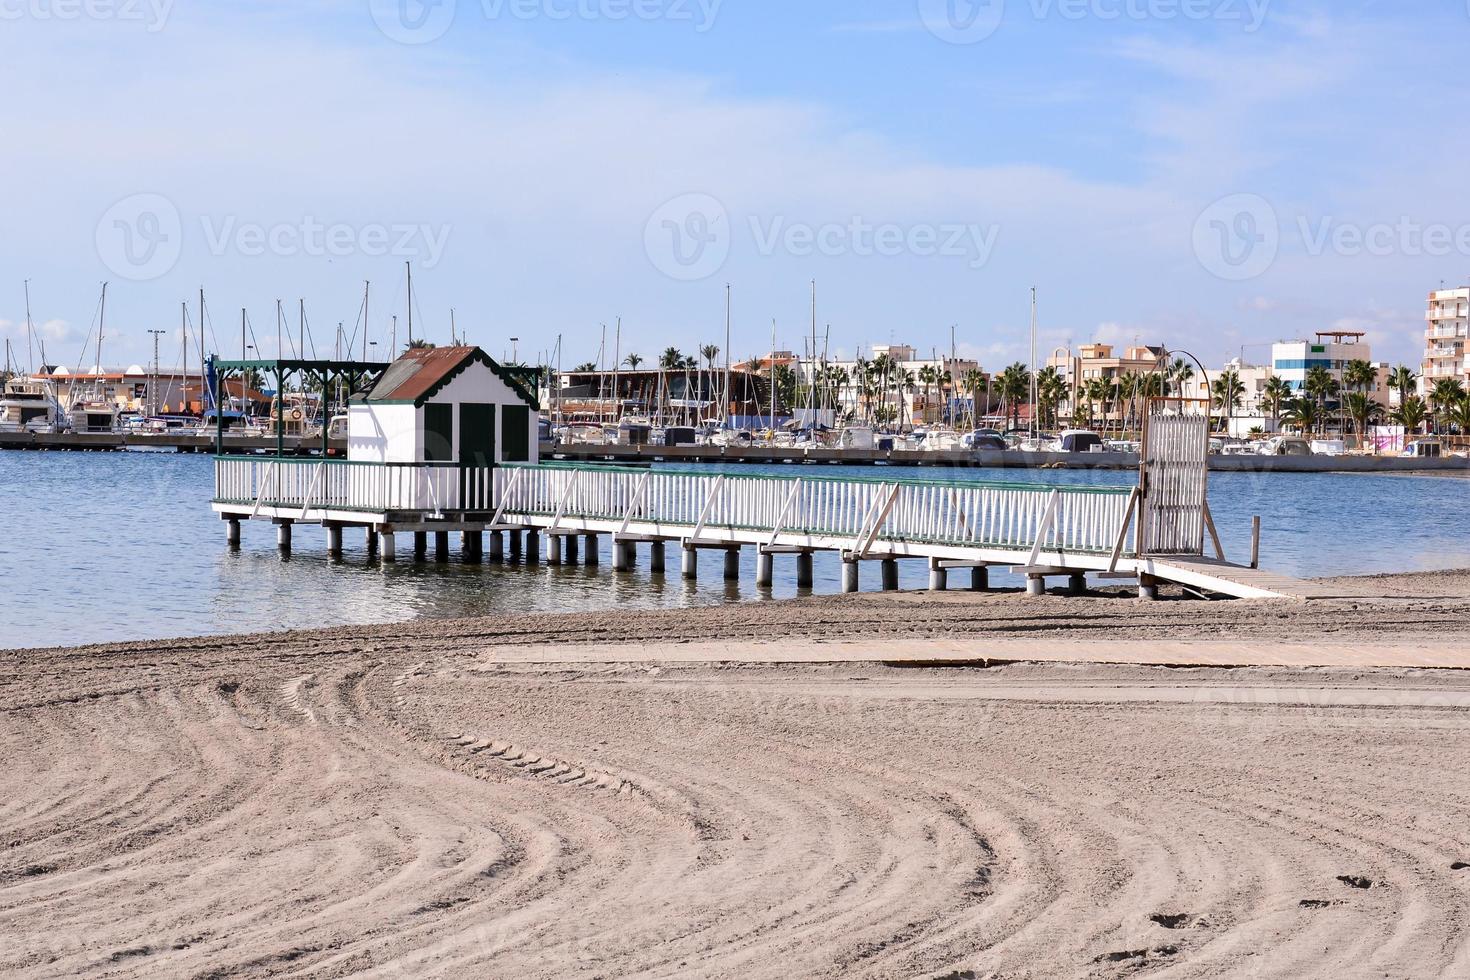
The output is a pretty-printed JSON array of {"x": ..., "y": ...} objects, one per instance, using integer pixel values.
[
  {"x": 671, "y": 359},
  {"x": 1446, "y": 393},
  {"x": 1275, "y": 394},
  {"x": 1363, "y": 410},
  {"x": 1050, "y": 389},
  {"x": 928, "y": 375},
  {"x": 972, "y": 381},
  {"x": 1359, "y": 375},
  {"x": 1459, "y": 415},
  {"x": 1180, "y": 373},
  {"x": 419, "y": 344},
  {"x": 1302, "y": 414},
  {"x": 1320, "y": 385},
  {"x": 903, "y": 383},
  {"x": 632, "y": 361},
  {"x": 1013, "y": 387},
  {"x": 586, "y": 366},
  {"x": 1402, "y": 380},
  {"x": 1097, "y": 390},
  {"x": 1228, "y": 391},
  {"x": 1411, "y": 414}
]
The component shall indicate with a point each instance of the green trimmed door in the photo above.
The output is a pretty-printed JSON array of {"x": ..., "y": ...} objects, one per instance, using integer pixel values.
[
  {"x": 515, "y": 434},
  {"x": 438, "y": 433},
  {"x": 476, "y": 435}
]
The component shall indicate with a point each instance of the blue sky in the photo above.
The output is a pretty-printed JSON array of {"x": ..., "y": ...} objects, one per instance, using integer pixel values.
[{"x": 1210, "y": 174}]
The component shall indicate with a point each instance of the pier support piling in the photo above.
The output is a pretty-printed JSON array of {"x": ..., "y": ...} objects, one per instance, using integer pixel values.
[
  {"x": 283, "y": 535},
  {"x": 850, "y": 578},
  {"x": 690, "y": 563},
  {"x": 804, "y": 577},
  {"x": 441, "y": 546},
  {"x": 1077, "y": 584},
  {"x": 656, "y": 557},
  {"x": 553, "y": 549},
  {"x": 592, "y": 556},
  {"x": 890, "y": 575},
  {"x": 516, "y": 546},
  {"x": 232, "y": 533},
  {"x": 372, "y": 540},
  {"x": 1148, "y": 588},
  {"x": 334, "y": 540},
  {"x": 980, "y": 579},
  {"x": 472, "y": 547},
  {"x": 938, "y": 576},
  {"x": 420, "y": 545},
  {"x": 1036, "y": 585},
  {"x": 386, "y": 546},
  {"x": 765, "y": 569},
  {"x": 497, "y": 547},
  {"x": 569, "y": 545},
  {"x": 732, "y": 564},
  {"x": 533, "y": 547}
]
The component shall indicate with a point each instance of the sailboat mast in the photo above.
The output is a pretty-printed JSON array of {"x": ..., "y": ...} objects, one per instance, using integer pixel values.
[
  {"x": 1034, "y": 429},
  {"x": 617, "y": 364},
  {"x": 725, "y": 416},
  {"x": 30, "y": 358},
  {"x": 366, "y": 289},
  {"x": 101, "y": 325},
  {"x": 409, "y": 267}
]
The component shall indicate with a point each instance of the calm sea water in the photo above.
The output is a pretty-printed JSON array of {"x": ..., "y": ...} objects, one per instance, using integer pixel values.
[{"x": 114, "y": 546}]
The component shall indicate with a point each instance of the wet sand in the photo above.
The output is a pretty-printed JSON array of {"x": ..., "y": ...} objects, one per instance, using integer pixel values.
[{"x": 638, "y": 794}]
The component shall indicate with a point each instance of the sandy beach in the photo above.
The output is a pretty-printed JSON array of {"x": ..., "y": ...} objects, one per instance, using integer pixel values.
[{"x": 905, "y": 785}]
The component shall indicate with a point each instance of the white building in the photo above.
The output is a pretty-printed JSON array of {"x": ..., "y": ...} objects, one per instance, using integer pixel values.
[
  {"x": 1446, "y": 320},
  {"x": 916, "y": 405},
  {"x": 1291, "y": 360},
  {"x": 446, "y": 405}
]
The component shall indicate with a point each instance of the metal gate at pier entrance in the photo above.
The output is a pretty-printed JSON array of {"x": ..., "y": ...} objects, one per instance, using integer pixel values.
[{"x": 1174, "y": 478}]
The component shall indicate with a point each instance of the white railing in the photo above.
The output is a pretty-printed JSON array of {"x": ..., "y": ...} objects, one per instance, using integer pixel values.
[
  {"x": 867, "y": 511},
  {"x": 345, "y": 485},
  {"x": 857, "y": 514}
]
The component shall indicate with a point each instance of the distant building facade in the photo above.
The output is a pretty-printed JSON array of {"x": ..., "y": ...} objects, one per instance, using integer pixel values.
[{"x": 1445, "y": 334}]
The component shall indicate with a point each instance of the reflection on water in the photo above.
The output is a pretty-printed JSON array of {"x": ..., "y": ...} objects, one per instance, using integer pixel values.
[{"x": 114, "y": 546}]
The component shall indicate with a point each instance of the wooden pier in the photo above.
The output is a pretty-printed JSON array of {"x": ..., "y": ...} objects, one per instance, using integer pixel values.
[{"x": 1042, "y": 532}]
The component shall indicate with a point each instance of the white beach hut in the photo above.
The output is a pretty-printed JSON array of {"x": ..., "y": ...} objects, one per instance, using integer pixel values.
[{"x": 446, "y": 405}]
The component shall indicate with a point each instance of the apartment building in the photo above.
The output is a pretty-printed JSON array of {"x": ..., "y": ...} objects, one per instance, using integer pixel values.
[{"x": 1446, "y": 320}]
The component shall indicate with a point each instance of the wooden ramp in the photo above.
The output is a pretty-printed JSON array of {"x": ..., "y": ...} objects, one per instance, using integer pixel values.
[{"x": 1240, "y": 581}]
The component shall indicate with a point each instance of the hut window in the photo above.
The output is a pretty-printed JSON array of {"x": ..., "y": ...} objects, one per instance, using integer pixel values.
[
  {"x": 438, "y": 433},
  {"x": 515, "y": 434}
]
